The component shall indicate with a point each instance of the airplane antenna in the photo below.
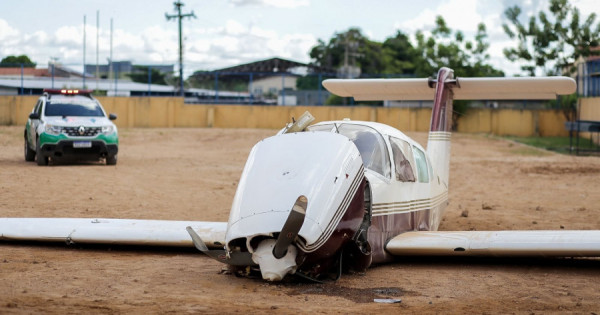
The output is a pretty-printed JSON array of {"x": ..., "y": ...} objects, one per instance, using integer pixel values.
[{"x": 180, "y": 16}]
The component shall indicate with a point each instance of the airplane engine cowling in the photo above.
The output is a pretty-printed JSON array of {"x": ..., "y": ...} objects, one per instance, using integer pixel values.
[{"x": 324, "y": 167}]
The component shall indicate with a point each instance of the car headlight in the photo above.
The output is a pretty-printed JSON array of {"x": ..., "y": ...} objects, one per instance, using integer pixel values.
[
  {"x": 108, "y": 129},
  {"x": 53, "y": 130}
]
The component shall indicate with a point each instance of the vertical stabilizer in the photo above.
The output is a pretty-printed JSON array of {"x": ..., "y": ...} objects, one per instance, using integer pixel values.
[{"x": 438, "y": 145}]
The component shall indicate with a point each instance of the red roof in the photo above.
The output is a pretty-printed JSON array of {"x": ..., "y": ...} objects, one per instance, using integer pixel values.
[{"x": 26, "y": 72}]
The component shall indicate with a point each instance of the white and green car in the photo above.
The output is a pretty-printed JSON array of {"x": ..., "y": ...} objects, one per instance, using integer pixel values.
[{"x": 70, "y": 124}]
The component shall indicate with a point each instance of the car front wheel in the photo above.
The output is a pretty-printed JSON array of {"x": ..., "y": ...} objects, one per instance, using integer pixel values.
[
  {"x": 39, "y": 157},
  {"x": 29, "y": 154},
  {"x": 111, "y": 160}
]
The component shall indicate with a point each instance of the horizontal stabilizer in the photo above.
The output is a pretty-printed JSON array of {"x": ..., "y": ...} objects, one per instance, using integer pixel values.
[
  {"x": 497, "y": 243},
  {"x": 491, "y": 88},
  {"x": 112, "y": 231}
]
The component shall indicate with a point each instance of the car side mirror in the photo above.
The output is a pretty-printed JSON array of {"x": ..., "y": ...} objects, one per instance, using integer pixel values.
[
  {"x": 34, "y": 116},
  {"x": 112, "y": 116}
]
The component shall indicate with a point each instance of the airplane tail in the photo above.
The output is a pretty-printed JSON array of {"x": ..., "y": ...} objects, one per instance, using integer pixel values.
[{"x": 438, "y": 144}]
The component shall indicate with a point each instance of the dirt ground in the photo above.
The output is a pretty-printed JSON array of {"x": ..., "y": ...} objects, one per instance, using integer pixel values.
[{"x": 191, "y": 174}]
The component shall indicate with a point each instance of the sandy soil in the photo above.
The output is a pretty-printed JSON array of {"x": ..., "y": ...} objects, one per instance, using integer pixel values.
[{"x": 191, "y": 174}]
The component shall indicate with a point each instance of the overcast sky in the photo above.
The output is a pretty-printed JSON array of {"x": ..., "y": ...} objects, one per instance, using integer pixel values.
[{"x": 231, "y": 32}]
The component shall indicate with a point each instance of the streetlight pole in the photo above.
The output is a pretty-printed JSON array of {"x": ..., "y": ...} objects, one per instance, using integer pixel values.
[{"x": 180, "y": 16}]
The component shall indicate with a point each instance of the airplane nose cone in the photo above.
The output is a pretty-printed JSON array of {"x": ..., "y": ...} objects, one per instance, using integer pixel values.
[
  {"x": 271, "y": 268},
  {"x": 271, "y": 276}
]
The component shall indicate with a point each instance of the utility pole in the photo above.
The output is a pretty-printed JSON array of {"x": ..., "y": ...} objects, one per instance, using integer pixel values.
[
  {"x": 84, "y": 22},
  {"x": 180, "y": 16},
  {"x": 110, "y": 59},
  {"x": 97, "y": 47}
]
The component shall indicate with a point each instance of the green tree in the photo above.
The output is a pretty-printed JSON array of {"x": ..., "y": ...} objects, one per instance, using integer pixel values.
[
  {"x": 350, "y": 48},
  {"x": 140, "y": 74},
  {"x": 394, "y": 56},
  {"x": 445, "y": 48},
  {"x": 552, "y": 43},
  {"x": 16, "y": 61},
  {"x": 331, "y": 54},
  {"x": 308, "y": 82},
  {"x": 399, "y": 55}
]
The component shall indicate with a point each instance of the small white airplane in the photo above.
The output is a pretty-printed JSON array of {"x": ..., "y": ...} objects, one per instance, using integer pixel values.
[{"x": 314, "y": 200}]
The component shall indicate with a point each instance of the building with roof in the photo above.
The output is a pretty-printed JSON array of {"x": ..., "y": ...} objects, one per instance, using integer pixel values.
[
  {"x": 122, "y": 68},
  {"x": 36, "y": 86},
  {"x": 266, "y": 80},
  {"x": 588, "y": 74},
  {"x": 53, "y": 70}
]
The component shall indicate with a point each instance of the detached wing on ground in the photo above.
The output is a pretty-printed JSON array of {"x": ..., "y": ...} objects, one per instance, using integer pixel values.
[
  {"x": 112, "y": 231},
  {"x": 585, "y": 243}
]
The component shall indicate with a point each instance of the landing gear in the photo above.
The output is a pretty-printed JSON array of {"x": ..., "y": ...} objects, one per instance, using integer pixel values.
[{"x": 359, "y": 251}]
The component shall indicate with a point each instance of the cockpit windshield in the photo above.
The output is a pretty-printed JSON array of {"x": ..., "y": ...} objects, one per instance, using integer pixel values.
[{"x": 369, "y": 142}]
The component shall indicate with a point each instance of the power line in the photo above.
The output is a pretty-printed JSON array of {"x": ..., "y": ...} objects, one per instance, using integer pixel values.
[{"x": 180, "y": 16}]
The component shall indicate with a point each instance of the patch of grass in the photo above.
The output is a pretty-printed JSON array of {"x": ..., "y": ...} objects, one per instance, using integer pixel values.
[{"x": 556, "y": 144}]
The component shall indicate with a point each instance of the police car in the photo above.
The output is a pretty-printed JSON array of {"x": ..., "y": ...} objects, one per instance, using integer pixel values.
[{"x": 70, "y": 123}]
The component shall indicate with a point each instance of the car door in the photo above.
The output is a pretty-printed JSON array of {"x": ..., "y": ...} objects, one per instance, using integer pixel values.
[
  {"x": 39, "y": 122},
  {"x": 34, "y": 123}
]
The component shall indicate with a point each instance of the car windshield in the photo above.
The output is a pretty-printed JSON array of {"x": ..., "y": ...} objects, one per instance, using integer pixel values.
[{"x": 61, "y": 108}]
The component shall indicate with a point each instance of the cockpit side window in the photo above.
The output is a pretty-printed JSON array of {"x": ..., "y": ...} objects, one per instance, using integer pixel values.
[
  {"x": 422, "y": 168},
  {"x": 371, "y": 145},
  {"x": 400, "y": 151}
]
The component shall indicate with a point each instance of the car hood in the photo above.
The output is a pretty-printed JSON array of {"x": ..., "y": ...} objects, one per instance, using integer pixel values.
[{"x": 75, "y": 121}]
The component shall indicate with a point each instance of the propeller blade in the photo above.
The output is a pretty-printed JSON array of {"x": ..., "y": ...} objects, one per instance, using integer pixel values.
[
  {"x": 234, "y": 258},
  {"x": 291, "y": 227}
]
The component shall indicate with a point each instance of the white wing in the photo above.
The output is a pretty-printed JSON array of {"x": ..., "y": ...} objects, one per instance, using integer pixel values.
[
  {"x": 517, "y": 88},
  {"x": 112, "y": 231},
  {"x": 497, "y": 243}
]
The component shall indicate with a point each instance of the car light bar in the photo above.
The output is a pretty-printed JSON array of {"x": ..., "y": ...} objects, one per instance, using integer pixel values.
[{"x": 67, "y": 91}]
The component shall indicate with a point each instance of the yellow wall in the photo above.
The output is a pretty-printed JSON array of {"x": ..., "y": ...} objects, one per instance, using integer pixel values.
[
  {"x": 590, "y": 109},
  {"x": 15, "y": 109},
  {"x": 171, "y": 112}
]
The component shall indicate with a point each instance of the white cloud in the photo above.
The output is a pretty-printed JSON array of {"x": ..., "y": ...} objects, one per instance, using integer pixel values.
[
  {"x": 155, "y": 45},
  {"x": 6, "y": 31},
  {"x": 123, "y": 39},
  {"x": 37, "y": 38},
  {"x": 288, "y": 4},
  {"x": 69, "y": 35},
  {"x": 587, "y": 6},
  {"x": 235, "y": 43},
  {"x": 234, "y": 28},
  {"x": 463, "y": 15}
]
